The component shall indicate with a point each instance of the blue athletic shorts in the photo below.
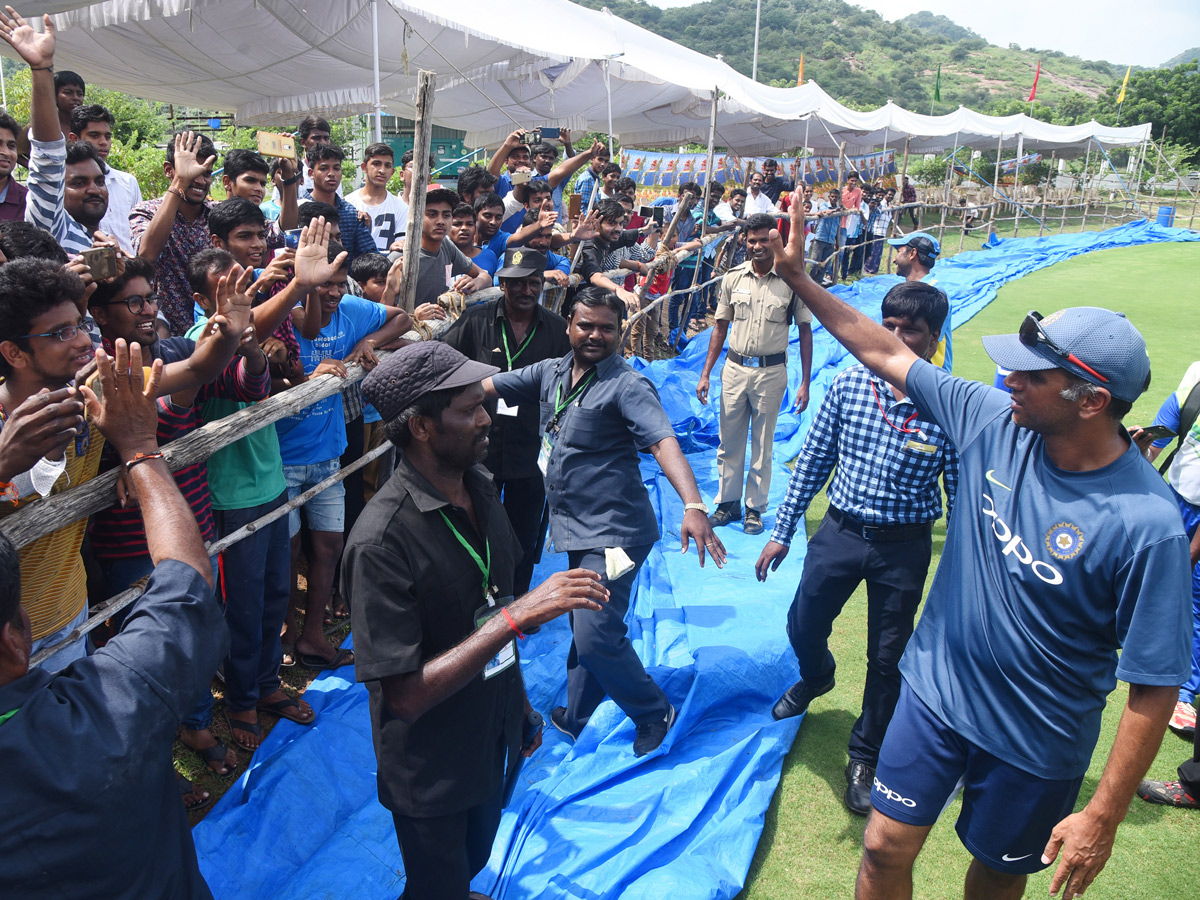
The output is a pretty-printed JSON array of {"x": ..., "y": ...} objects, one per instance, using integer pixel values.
[{"x": 1007, "y": 813}]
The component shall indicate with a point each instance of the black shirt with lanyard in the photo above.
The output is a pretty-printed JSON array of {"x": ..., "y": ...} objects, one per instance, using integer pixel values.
[{"x": 561, "y": 405}]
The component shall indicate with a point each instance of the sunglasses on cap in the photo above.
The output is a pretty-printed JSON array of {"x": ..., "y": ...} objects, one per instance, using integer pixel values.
[{"x": 1032, "y": 334}]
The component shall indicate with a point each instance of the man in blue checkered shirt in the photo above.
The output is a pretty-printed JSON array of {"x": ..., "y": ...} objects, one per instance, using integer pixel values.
[
  {"x": 883, "y": 501},
  {"x": 325, "y": 164}
]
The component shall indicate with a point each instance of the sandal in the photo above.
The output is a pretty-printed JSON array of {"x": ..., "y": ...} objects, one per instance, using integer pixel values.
[
  {"x": 186, "y": 787},
  {"x": 341, "y": 658},
  {"x": 236, "y": 725},
  {"x": 288, "y": 659},
  {"x": 214, "y": 754},
  {"x": 287, "y": 708}
]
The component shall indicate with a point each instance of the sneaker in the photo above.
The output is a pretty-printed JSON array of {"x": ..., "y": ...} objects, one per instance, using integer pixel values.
[
  {"x": 558, "y": 718},
  {"x": 796, "y": 699},
  {"x": 753, "y": 524},
  {"x": 860, "y": 778},
  {"x": 1183, "y": 721},
  {"x": 650, "y": 735},
  {"x": 725, "y": 513},
  {"x": 1167, "y": 793}
]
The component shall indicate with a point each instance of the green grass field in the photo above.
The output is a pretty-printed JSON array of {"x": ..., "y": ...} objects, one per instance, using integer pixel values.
[{"x": 811, "y": 845}]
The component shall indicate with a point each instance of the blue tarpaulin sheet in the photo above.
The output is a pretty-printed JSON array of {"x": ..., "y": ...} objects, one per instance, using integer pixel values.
[{"x": 589, "y": 820}]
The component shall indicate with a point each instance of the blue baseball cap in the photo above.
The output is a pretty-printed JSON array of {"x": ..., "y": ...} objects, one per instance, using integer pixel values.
[
  {"x": 922, "y": 241},
  {"x": 1096, "y": 344}
]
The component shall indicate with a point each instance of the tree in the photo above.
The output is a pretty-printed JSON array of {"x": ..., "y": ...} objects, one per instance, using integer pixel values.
[{"x": 1167, "y": 98}]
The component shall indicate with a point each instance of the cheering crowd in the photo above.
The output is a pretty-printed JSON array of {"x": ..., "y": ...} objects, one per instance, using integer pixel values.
[{"x": 501, "y": 426}]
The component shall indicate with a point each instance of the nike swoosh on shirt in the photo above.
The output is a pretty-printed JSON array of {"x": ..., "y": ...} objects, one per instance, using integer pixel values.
[
  {"x": 989, "y": 476},
  {"x": 1008, "y": 858}
]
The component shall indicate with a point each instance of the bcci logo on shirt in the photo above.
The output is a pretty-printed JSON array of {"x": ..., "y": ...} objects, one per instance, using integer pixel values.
[{"x": 1064, "y": 541}]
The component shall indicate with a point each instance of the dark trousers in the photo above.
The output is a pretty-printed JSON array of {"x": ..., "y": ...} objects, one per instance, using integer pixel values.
[
  {"x": 838, "y": 560},
  {"x": 256, "y": 573},
  {"x": 443, "y": 853},
  {"x": 1189, "y": 772},
  {"x": 912, "y": 214},
  {"x": 852, "y": 256},
  {"x": 602, "y": 660},
  {"x": 524, "y": 499}
]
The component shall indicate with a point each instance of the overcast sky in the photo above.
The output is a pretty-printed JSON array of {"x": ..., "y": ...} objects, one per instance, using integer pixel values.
[{"x": 1142, "y": 33}]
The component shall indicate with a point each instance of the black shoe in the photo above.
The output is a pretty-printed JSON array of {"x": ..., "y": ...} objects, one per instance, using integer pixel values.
[
  {"x": 558, "y": 718},
  {"x": 650, "y": 735},
  {"x": 725, "y": 513},
  {"x": 860, "y": 778},
  {"x": 1167, "y": 793},
  {"x": 796, "y": 699},
  {"x": 753, "y": 524}
]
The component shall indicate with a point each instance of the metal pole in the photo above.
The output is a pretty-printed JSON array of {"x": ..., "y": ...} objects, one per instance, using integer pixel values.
[
  {"x": 608, "y": 94},
  {"x": 757, "y": 17},
  {"x": 690, "y": 305},
  {"x": 1157, "y": 162},
  {"x": 1017, "y": 182},
  {"x": 375, "y": 61},
  {"x": 996, "y": 187},
  {"x": 895, "y": 223},
  {"x": 3, "y": 89}
]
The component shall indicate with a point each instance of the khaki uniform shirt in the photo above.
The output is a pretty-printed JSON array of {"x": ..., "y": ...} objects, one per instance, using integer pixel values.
[{"x": 760, "y": 310}]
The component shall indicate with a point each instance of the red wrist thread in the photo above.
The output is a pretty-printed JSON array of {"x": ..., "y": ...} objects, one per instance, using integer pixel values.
[{"x": 512, "y": 624}]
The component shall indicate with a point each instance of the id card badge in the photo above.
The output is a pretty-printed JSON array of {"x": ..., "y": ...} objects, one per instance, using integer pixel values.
[
  {"x": 544, "y": 453},
  {"x": 503, "y": 409},
  {"x": 508, "y": 653}
]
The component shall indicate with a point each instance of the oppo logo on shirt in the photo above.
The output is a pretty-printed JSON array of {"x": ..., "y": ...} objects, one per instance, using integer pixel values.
[{"x": 1014, "y": 546}]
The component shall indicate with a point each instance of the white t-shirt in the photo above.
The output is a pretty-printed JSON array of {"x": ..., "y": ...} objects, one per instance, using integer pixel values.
[
  {"x": 124, "y": 193},
  {"x": 389, "y": 219}
]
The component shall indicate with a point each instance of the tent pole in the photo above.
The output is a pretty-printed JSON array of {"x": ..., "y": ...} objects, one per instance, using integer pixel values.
[
  {"x": 608, "y": 94},
  {"x": 807, "y": 122},
  {"x": 422, "y": 139},
  {"x": 1137, "y": 179},
  {"x": 708, "y": 180},
  {"x": 895, "y": 223},
  {"x": 949, "y": 181},
  {"x": 996, "y": 186},
  {"x": 1157, "y": 162},
  {"x": 375, "y": 61},
  {"x": 1017, "y": 182},
  {"x": 3, "y": 90},
  {"x": 1046, "y": 192}
]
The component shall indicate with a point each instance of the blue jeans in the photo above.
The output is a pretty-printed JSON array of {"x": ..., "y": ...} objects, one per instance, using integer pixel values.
[
  {"x": 119, "y": 575},
  {"x": 68, "y": 654},
  {"x": 255, "y": 578}
]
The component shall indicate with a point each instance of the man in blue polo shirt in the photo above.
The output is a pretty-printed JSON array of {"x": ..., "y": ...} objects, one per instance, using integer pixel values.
[{"x": 1065, "y": 548}]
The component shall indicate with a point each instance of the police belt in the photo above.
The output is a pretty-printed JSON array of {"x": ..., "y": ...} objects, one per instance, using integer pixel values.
[
  {"x": 757, "y": 362},
  {"x": 879, "y": 532}
]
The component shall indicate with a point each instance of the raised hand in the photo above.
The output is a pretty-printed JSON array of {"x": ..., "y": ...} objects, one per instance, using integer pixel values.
[
  {"x": 188, "y": 166},
  {"x": 588, "y": 227},
  {"x": 234, "y": 301},
  {"x": 36, "y": 49},
  {"x": 128, "y": 414},
  {"x": 312, "y": 255}
]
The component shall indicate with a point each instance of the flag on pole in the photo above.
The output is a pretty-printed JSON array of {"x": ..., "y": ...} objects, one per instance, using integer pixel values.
[
  {"x": 800, "y": 76},
  {"x": 1036, "y": 76},
  {"x": 1124, "y": 84},
  {"x": 937, "y": 85}
]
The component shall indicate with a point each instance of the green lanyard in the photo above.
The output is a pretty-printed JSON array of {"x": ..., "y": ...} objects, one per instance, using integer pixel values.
[
  {"x": 8, "y": 715},
  {"x": 484, "y": 568},
  {"x": 513, "y": 357},
  {"x": 560, "y": 404}
]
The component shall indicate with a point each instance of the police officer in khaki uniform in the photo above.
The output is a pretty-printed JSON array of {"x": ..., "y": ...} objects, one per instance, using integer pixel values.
[{"x": 761, "y": 307}]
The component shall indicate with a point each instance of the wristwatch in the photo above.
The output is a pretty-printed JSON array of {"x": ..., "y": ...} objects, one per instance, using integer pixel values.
[{"x": 700, "y": 506}]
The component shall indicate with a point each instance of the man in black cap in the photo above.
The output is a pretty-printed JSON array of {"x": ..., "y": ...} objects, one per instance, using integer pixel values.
[
  {"x": 428, "y": 569},
  {"x": 511, "y": 332},
  {"x": 917, "y": 254}
]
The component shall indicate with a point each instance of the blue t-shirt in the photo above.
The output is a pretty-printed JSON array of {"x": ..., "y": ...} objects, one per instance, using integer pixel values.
[
  {"x": 486, "y": 260},
  {"x": 318, "y": 433},
  {"x": 1045, "y": 574}
]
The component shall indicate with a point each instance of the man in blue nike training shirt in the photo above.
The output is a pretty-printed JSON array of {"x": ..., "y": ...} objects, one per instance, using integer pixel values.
[{"x": 1065, "y": 547}]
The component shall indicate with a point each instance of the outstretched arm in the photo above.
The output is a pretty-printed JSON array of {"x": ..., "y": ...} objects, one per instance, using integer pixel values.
[{"x": 873, "y": 345}]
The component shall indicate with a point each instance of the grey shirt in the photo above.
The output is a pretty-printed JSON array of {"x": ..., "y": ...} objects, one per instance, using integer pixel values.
[
  {"x": 593, "y": 481},
  {"x": 439, "y": 271}
]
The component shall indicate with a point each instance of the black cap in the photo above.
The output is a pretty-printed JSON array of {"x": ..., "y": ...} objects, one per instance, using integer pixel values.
[
  {"x": 520, "y": 262},
  {"x": 407, "y": 375}
]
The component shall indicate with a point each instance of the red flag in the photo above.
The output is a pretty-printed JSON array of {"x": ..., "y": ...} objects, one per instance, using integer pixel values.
[{"x": 1036, "y": 75}]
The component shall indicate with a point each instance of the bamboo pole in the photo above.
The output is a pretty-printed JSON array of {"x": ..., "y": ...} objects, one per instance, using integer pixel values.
[
  {"x": 895, "y": 222},
  {"x": 1087, "y": 160},
  {"x": 1017, "y": 182},
  {"x": 422, "y": 138},
  {"x": 1046, "y": 193}
]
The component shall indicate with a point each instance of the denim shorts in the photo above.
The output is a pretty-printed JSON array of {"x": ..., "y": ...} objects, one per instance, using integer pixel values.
[{"x": 327, "y": 510}]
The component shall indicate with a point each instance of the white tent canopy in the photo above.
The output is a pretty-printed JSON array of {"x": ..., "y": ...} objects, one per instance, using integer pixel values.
[{"x": 274, "y": 61}]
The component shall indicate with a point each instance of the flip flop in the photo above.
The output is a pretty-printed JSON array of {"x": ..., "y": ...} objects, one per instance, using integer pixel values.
[
  {"x": 341, "y": 658},
  {"x": 236, "y": 725},
  {"x": 288, "y": 659},
  {"x": 185, "y": 788},
  {"x": 288, "y": 708},
  {"x": 216, "y": 753}
]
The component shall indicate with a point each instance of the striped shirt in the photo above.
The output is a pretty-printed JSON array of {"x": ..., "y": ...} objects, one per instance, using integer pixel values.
[
  {"x": 170, "y": 275},
  {"x": 120, "y": 533},
  {"x": 44, "y": 205},
  {"x": 887, "y": 459}
]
